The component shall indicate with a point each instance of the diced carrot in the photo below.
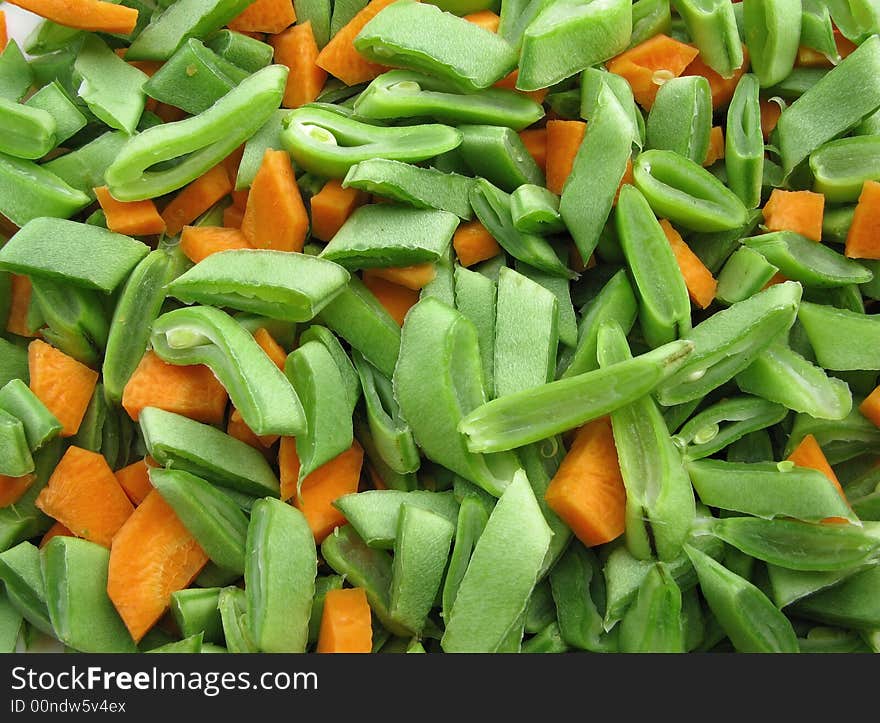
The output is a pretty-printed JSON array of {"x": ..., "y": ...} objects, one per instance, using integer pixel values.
[
  {"x": 4, "y": 35},
  {"x": 587, "y": 491},
  {"x": 396, "y": 299},
  {"x": 296, "y": 48},
  {"x": 412, "y": 277},
  {"x": 152, "y": 556},
  {"x": 134, "y": 218},
  {"x": 650, "y": 64},
  {"x": 341, "y": 60},
  {"x": 798, "y": 211},
  {"x": 62, "y": 383},
  {"x": 628, "y": 178},
  {"x": 535, "y": 141},
  {"x": 809, "y": 454},
  {"x": 12, "y": 488},
  {"x": 232, "y": 218},
  {"x": 473, "y": 243},
  {"x": 196, "y": 198},
  {"x": 770, "y": 112},
  {"x": 722, "y": 88},
  {"x": 83, "y": 494},
  {"x": 191, "y": 391},
  {"x": 273, "y": 349},
  {"x": 169, "y": 113},
  {"x": 346, "y": 624},
  {"x": 863, "y": 237},
  {"x": 777, "y": 278},
  {"x": 231, "y": 164},
  {"x": 275, "y": 217},
  {"x": 135, "y": 481},
  {"x": 564, "y": 138},
  {"x": 199, "y": 242},
  {"x": 94, "y": 15},
  {"x": 265, "y": 16},
  {"x": 486, "y": 19},
  {"x": 331, "y": 207},
  {"x": 20, "y": 301},
  {"x": 716, "y": 146},
  {"x": 320, "y": 489},
  {"x": 236, "y": 427},
  {"x": 700, "y": 283},
  {"x": 508, "y": 82},
  {"x": 845, "y": 46},
  {"x": 56, "y": 530},
  {"x": 147, "y": 67},
  {"x": 240, "y": 198},
  {"x": 870, "y": 407}
]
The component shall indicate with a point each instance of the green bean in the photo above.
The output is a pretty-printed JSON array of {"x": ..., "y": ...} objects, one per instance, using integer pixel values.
[
  {"x": 744, "y": 144},
  {"x": 236, "y": 634},
  {"x": 653, "y": 622},
  {"x": 472, "y": 518},
  {"x": 541, "y": 610},
  {"x": 788, "y": 586},
  {"x": 840, "y": 439},
  {"x": 841, "y": 339},
  {"x": 852, "y": 603},
  {"x": 195, "y": 610},
  {"x": 20, "y": 570},
  {"x": 475, "y": 298},
  {"x": 744, "y": 274},
  {"x": 681, "y": 118}
]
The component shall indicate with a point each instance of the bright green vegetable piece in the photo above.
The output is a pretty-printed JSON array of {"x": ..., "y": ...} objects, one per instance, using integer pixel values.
[
  {"x": 73, "y": 319},
  {"x": 853, "y": 603},
  {"x": 29, "y": 191},
  {"x": 744, "y": 142},
  {"x": 653, "y": 624},
  {"x": 244, "y": 51},
  {"x": 16, "y": 75},
  {"x": 83, "y": 169},
  {"x": 744, "y": 274},
  {"x": 25, "y": 588},
  {"x": 26, "y": 131},
  {"x": 712, "y": 26},
  {"x": 772, "y": 34},
  {"x": 39, "y": 424},
  {"x": 476, "y": 298},
  {"x": 195, "y": 610},
  {"x": 842, "y": 339},
  {"x": 54, "y": 100},
  {"x": 681, "y": 118},
  {"x": 841, "y": 167}
]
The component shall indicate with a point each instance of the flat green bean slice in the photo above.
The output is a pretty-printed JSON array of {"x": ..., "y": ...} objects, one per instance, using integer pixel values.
[
  {"x": 853, "y": 603},
  {"x": 75, "y": 319},
  {"x": 440, "y": 344},
  {"x": 744, "y": 274},
  {"x": 855, "y": 18},
  {"x": 24, "y": 520},
  {"x": 472, "y": 518},
  {"x": 499, "y": 155},
  {"x": 744, "y": 143},
  {"x": 195, "y": 610},
  {"x": 653, "y": 623},
  {"x": 16, "y": 455},
  {"x": 765, "y": 490},
  {"x": 840, "y": 439},
  {"x": 40, "y": 425},
  {"x": 728, "y": 341},
  {"x": 234, "y": 619},
  {"x": 841, "y": 167},
  {"x": 659, "y": 497},
  {"x": 502, "y": 573},
  {"x": 25, "y": 588},
  {"x": 772, "y": 34},
  {"x": 11, "y": 622},
  {"x": 681, "y": 117},
  {"x": 205, "y": 335},
  {"x": 280, "y": 569},
  {"x": 181, "y": 443},
  {"x": 782, "y": 375},
  {"x": 800, "y": 545},
  {"x": 751, "y": 621},
  {"x": 323, "y": 585},
  {"x": 817, "y": 30},
  {"x": 841, "y": 339},
  {"x": 541, "y": 610},
  {"x": 375, "y": 513},
  {"x": 420, "y": 553},
  {"x": 553, "y": 408},
  {"x": 475, "y": 298},
  {"x": 789, "y": 586}
]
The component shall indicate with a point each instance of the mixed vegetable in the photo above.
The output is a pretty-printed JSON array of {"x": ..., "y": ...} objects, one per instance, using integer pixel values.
[{"x": 383, "y": 325}]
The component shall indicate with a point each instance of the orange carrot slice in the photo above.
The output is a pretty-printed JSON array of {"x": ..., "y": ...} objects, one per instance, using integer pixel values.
[
  {"x": 563, "y": 141},
  {"x": 870, "y": 407},
  {"x": 808, "y": 453},
  {"x": 345, "y": 623},
  {"x": 535, "y": 141},
  {"x": 62, "y": 383},
  {"x": 587, "y": 491},
  {"x": 236, "y": 427},
  {"x": 770, "y": 112},
  {"x": 412, "y": 277},
  {"x": 473, "y": 243},
  {"x": 341, "y": 60},
  {"x": 12, "y": 488},
  {"x": 296, "y": 48},
  {"x": 331, "y": 207},
  {"x": 20, "y": 301},
  {"x": 83, "y": 494},
  {"x": 265, "y": 16},
  {"x": 152, "y": 556},
  {"x": 275, "y": 217},
  {"x": 135, "y": 481},
  {"x": 56, "y": 530},
  {"x": 273, "y": 349},
  {"x": 798, "y": 211},
  {"x": 134, "y": 218},
  {"x": 716, "y": 146},
  {"x": 486, "y": 19},
  {"x": 199, "y": 242},
  {"x": 863, "y": 237},
  {"x": 196, "y": 198},
  {"x": 722, "y": 88},
  {"x": 94, "y": 15},
  {"x": 650, "y": 64},
  {"x": 701, "y": 285},
  {"x": 396, "y": 299},
  {"x": 4, "y": 35},
  {"x": 232, "y": 217},
  {"x": 508, "y": 82}
]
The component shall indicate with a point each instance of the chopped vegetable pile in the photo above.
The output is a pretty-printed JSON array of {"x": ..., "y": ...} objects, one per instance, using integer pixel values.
[{"x": 476, "y": 326}]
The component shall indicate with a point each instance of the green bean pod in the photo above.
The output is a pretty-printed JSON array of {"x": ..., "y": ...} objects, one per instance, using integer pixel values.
[
  {"x": 351, "y": 381},
  {"x": 841, "y": 167},
  {"x": 498, "y": 154},
  {"x": 712, "y": 26},
  {"x": 24, "y": 520},
  {"x": 16, "y": 455},
  {"x": 842, "y": 339},
  {"x": 39, "y": 424},
  {"x": 744, "y": 274},
  {"x": 817, "y": 30},
  {"x": 232, "y": 603},
  {"x": 566, "y": 321},
  {"x": 653, "y": 622},
  {"x": 681, "y": 118},
  {"x": 26, "y": 131},
  {"x": 83, "y": 169},
  {"x": 855, "y": 18},
  {"x": 744, "y": 142},
  {"x": 472, "y": 518},
  {"x": 195, "y": 610},
  {"x": 852, "y": 604},
  {"x": 772, "y": 34},
  {"x": 535, "y": 210},
  {"x": 686, "y": 194},
  {"x": 25, "y": 586},
  {"x": 649, "y": 17},
  {"x": 840, "y": 439},
  {"x": 788, "y": 586},
  {"x": 257, "y": 388}
]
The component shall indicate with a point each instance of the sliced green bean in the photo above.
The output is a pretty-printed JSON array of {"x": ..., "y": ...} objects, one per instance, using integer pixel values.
[{"x": 681, "y": 118}]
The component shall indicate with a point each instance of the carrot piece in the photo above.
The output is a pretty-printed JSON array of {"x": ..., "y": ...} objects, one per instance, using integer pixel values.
[
  {"x": 240, "y": 198},
  {"x": 4, "y": 35},
  {"x": 700, "y": 283},
  {"x": 508, "y": 82},
  {"x": 135, "y": 481},
  {"x": 231, "y": 164},
  {"x": 396, "y": 299},
  {"x": 863, "y": 237},
  {"x": 628, "y": 178},
  {"x": 191, "y": 391},
  {"x": 199, "y": 242},
  {"x": 331, "y": 207},
  {"x": 320, "y": 489},
  {"x": 265, "y": 16},
  {"x": 275, "y": 217},
  {"x": 196, "y": 198},
  {"x": 56, "y": 530},
  {"x": 147, "y": 67},
  {"x": 486, "y": 19},
  {"x": 20, "y": 298},
  {"x": 535, "y": 141},
  {"x": 770, "y": 112},
  {"x": 870, "y": 407},
  {"x": 62, "y": 383},
  {"x": 341, "y": 60},
  {"x": 83, "y": 494},
  {"x": 587, "y": 491},
  {"x": 232, "y": 218},
  {"x": 94, "y": 15},
  {"x": 798, "y": 211},
  {"x": 716, "y": 146},
  {"x": 412, "y": 277},
  {"x": 777, "y": 278},
  {"x": 134, "y": 218},
  {"x": 808, "y": 453},
  {"x": 12, "y": 488},
  {"x": 650, "y": 64},
  {"x": 346, "y": 625},
  {"x": 473, "y": 243},
  {"x": 563, "y": 141},
  {"x": 273, "y": 349},
  {"x": 152, "y": 556},
  {"x": 236, "y": 427},
  {"x": 296, "y": 48},
  {"x": 722, "y": 88},
  {"x": 845, "y": 46},
  {"x": 169, "y": 113}
]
